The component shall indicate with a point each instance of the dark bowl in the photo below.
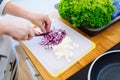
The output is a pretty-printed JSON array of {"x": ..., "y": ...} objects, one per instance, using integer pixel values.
[
  {"x": 105, "y": 67},
  {"x": 93, "y": 32}
]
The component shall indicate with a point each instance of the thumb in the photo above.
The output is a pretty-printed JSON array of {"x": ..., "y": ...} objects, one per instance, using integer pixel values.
[{"x": 36, "y": 32}]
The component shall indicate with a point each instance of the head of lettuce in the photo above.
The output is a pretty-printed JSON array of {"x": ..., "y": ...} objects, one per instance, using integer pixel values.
[{"x": 88, "y": 13}]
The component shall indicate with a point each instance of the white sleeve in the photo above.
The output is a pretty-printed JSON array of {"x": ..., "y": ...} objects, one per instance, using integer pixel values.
[{"x": 2, "y": 5}]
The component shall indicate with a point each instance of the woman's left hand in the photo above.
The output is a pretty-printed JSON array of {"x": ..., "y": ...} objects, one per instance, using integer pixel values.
[{"x": 41, "y": 20}]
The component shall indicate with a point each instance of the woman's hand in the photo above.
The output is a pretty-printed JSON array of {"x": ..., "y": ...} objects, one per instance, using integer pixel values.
[
  {"x": 40, "y": 20},
  {"x": 18, "y": 30}
]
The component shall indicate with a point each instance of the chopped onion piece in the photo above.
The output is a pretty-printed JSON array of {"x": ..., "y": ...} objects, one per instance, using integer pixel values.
[
  {"x": 65, "y": 48},
  {"x": 54, "y": 37}
]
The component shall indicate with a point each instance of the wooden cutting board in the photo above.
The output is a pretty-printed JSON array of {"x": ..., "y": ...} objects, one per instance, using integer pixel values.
[{"x": 49, "y": 60}]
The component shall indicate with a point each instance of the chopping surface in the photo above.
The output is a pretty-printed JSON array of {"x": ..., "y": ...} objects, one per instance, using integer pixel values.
[{"x": 48, "y": 59}]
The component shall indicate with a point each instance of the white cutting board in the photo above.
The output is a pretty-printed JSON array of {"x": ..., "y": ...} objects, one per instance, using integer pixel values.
[{"x": 49, "y": 60}]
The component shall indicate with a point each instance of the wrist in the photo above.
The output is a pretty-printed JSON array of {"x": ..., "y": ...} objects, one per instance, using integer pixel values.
[
  {"x": 28, "y": 16},
  {"x": 2, "y": 27}
]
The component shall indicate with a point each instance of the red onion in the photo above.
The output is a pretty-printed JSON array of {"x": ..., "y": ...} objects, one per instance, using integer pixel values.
[{"x": 54, "y": 37}]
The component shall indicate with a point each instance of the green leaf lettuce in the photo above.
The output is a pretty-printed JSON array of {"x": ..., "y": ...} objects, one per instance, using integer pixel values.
[{"x": 88, "y": 13}]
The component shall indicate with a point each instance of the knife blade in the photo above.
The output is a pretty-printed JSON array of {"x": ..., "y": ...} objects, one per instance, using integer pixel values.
[{"x": 43, "y": 34}]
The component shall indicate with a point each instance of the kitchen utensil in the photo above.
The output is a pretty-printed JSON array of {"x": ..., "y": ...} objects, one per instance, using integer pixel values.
[
  {"x": 106, "y": 67},
  {"x": 43, "y": 34},
  {"x": 82, "y": 74}
]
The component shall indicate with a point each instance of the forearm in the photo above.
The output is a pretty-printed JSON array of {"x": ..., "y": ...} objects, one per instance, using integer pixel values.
[
  {"x": 2, "y": 26},
  {"x": 15, "y": 10},
  {"x": 1, "y": 30}
]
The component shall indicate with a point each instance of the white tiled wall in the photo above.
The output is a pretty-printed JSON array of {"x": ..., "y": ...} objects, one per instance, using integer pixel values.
[
  {"x": 44, "y": 6},
  {"x": 41, "y": 6}
]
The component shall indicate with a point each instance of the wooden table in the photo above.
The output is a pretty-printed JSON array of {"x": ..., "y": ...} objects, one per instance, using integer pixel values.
[{"x": 104, "y": 41}]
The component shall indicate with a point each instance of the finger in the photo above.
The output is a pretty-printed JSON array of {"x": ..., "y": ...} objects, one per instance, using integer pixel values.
[
  {"x": 47, "y": 24},
  {"x": 36, "y": 32},
  {"x": 16, "y": 39},
  {"x": 25, "y": 38},
  {"x": 24, "y": 35},
  {"x": 31, "y": 33},
  {"x": 42, "y": 27}
]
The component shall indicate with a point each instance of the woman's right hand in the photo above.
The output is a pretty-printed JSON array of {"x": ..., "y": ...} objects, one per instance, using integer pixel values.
[{"x": 18, "y": 30}]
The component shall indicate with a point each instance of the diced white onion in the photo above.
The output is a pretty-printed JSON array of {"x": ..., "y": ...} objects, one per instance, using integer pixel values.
[{"x": 65, "y": 48}]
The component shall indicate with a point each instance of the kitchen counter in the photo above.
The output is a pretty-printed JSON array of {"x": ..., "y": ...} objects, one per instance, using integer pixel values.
[{"x": 104, "y": 41}]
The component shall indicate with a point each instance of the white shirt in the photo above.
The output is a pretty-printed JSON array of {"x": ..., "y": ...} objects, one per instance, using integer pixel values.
[
  {"x": 2, "y": 5},
  {"x": 6, "y": 49}
]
